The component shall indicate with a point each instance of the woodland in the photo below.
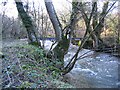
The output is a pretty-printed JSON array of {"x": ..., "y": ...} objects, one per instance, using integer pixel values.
[{"x": 75, "y": 46}]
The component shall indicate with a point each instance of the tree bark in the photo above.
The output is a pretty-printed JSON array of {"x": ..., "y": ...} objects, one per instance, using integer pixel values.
[
  {"x": 74, "y": 18},
  {"x": 71, "y": 64},
  {"x": 63, "y": 43},
  {"x": 96, "y": 34},
  {"x": 54, "y": 19},
  {"x": 101, "y": 19},
  {"x": 118, "y": 40},
  {"x": 29, "y": 24}
]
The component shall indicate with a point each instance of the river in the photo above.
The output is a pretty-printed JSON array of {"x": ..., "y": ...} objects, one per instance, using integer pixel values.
[{"x": 96, "y": 70}]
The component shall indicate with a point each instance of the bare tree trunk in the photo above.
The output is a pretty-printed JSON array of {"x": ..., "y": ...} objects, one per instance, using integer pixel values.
[
  {"x": 54, "y": 19},
  {"x": 101, "y": 25},
  {"x": 118, "y": 41},
  {"x": 74, "y": 18},
  {"x": 71, "y": 64},
  {"x": 94, "y": 23},
  {"x": 98, "y": 31},
  {"x": 63, "y": 43},
  {"x": 118, "y": 37},
  {"x": 29, "y": 25},
  {"x": 96, "y": 34}
]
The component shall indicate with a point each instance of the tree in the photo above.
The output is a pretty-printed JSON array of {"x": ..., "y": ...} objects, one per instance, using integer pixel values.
[
  {"x": 54, "y": 19},
  {"x": 96, "y": 19},
  {"x": 62, "y": 41},
  {"x": 89, "y": 30},
  {"x": 74, "y": 17},
  {"x": 118, "y": 39},
  {"x": 29, "y": 24}
]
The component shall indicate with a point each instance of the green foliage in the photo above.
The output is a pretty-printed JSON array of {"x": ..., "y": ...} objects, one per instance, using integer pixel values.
[
  {"x": 41, "y": 69},
  {"x": 31, "y": 68},
  {"x": 60, "y": 84},
  {"x": 25, "y": 84},
  {"x": 35, "y": 44},
  {"x": 34, "y": 52}
]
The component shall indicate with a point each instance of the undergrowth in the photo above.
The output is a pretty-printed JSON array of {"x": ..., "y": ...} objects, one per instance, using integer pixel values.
[{"x": 26, "y": 66}]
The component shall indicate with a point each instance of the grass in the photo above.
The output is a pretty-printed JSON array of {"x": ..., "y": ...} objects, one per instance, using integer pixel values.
[{"x": 26, "y": 66}]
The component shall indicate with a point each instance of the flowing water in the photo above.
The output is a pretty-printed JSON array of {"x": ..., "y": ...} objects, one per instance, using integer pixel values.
[{"x": 95, "y": 70}]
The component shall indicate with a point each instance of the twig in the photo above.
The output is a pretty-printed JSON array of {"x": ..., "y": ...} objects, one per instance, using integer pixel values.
[
  {"x": 70, "y": 65},
  {"x": 52, "y": 45},
  {"x": 31, "y": 60},
  {"x": 80, "y": 57},
  {"x": 10, "y": 80},
  {"x": 19, "y": 64}
]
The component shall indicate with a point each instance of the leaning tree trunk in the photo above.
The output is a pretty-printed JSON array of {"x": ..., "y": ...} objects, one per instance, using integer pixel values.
[
  {"x": 88, "y": 24},
  {"x": 62, "y": 42},
  {"x": 71, "y": 64},
  {"x": 28, "y": 23},
  {"x": 96, "y": 34},
  {"x": 54, "y": 19}
]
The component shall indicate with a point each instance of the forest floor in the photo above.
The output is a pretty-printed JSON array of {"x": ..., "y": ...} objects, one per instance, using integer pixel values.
[{"x": 25, "y": 66}]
